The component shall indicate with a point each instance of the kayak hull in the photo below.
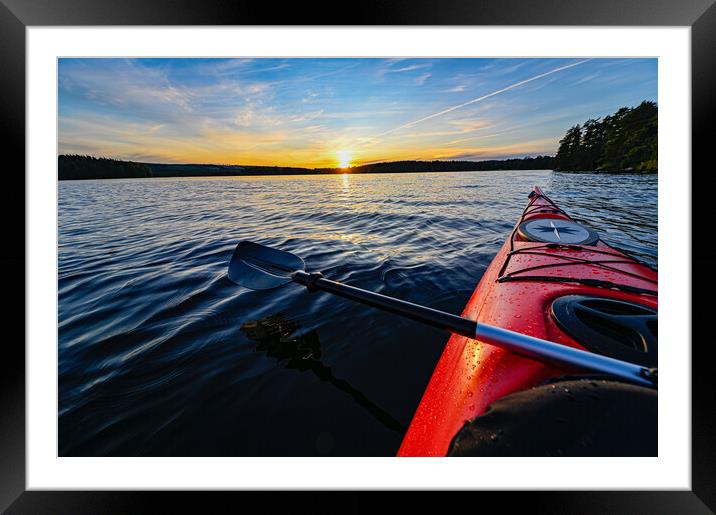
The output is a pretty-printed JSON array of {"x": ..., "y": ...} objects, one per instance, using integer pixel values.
[{"x": 471, "y": 374}]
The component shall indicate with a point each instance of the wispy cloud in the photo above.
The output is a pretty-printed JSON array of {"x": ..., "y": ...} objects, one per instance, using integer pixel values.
[
  {"x": 456, "y": 89},
  {"x": 421, "y": 79},
  {"x": 586, "y": 78},
  {"x": 483, "y": 97},
  {"x": 398, "y": 67},
  {"x": 409, "y": 68},
  {"x": 281, "y": 66},
  {"x": 310, "y": 96},
  {"x": 306, "y": 116}
]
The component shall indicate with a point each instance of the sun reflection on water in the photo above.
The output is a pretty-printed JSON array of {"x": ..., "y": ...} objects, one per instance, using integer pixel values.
[{"x": 346, "y": 182}]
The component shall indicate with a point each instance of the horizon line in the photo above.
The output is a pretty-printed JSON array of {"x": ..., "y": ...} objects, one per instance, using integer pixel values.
[{"x": 315, "y": 168}]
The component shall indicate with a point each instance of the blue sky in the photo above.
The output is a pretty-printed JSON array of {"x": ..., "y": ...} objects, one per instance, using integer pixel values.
[{"x": 329, "y": 112}]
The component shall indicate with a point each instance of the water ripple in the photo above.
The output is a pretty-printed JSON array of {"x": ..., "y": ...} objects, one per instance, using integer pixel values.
[{"x": 152, "y": 356}]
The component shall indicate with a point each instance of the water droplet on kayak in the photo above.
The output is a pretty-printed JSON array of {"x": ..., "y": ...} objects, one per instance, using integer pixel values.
[
  {"x": 469, "y": 394},
  {"x": 517, "y": 315}
]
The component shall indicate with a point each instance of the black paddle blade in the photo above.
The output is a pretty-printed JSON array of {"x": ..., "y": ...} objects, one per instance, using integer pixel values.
[{"x": 258, "y": 267}]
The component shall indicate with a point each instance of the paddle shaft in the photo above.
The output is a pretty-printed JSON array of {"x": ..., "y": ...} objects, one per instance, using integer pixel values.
[{"x": 529, "y": 346}]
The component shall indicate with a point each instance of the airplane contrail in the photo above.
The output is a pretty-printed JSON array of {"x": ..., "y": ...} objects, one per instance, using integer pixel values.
[{"x": 478, "y": 99}]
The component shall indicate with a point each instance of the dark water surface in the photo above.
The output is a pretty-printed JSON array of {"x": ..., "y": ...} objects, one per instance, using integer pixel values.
[{"x": 160, "y": 354}]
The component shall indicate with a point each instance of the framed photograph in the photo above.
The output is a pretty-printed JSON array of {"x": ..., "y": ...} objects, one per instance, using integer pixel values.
[{"x": 269, "y": 251}]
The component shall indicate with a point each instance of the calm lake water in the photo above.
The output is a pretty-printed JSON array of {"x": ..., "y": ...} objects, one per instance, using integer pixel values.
[{"x": 160, "y": 354}]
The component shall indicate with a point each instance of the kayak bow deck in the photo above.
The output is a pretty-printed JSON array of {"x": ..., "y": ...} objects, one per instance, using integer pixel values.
[{"x": 552, "y": 279}]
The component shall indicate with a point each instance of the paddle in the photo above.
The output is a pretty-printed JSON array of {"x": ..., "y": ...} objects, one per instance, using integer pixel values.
[{"x": 258, "y": 267}]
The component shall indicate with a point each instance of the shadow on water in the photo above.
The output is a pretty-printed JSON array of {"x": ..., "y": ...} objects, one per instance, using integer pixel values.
[{"x": 274, "y": 335}]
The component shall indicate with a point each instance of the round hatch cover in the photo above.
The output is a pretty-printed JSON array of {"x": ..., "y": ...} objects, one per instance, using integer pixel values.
[{"x": 555, "y": 230}]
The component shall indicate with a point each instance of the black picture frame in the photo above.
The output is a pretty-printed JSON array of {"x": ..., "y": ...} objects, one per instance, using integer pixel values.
[{"x": 17, "y": 15}]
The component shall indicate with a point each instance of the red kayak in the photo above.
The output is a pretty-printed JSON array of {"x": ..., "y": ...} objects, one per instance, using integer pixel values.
[{"x": 553, "y": 279}]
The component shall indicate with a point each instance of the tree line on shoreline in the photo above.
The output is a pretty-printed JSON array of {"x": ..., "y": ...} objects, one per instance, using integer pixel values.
[
  {"x": 624, "y": 141},
  {"x": 73, "y": 167},
  {"x": 526, "y": 163}
]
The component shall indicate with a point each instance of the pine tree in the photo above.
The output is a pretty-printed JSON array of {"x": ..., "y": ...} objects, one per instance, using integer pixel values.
[{"x": 623, "y": 141}]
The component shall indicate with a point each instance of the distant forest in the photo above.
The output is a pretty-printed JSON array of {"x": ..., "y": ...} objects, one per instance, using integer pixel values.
[
  {"x": 72, "y": 167},
  {"x": 624, "y": 141},
  {"x": 87, "y": 167},
  {"x": 527, "y": 163}
]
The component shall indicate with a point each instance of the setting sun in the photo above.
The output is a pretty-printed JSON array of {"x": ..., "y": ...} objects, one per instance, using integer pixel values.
[{"x": 344, "y": 159}]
